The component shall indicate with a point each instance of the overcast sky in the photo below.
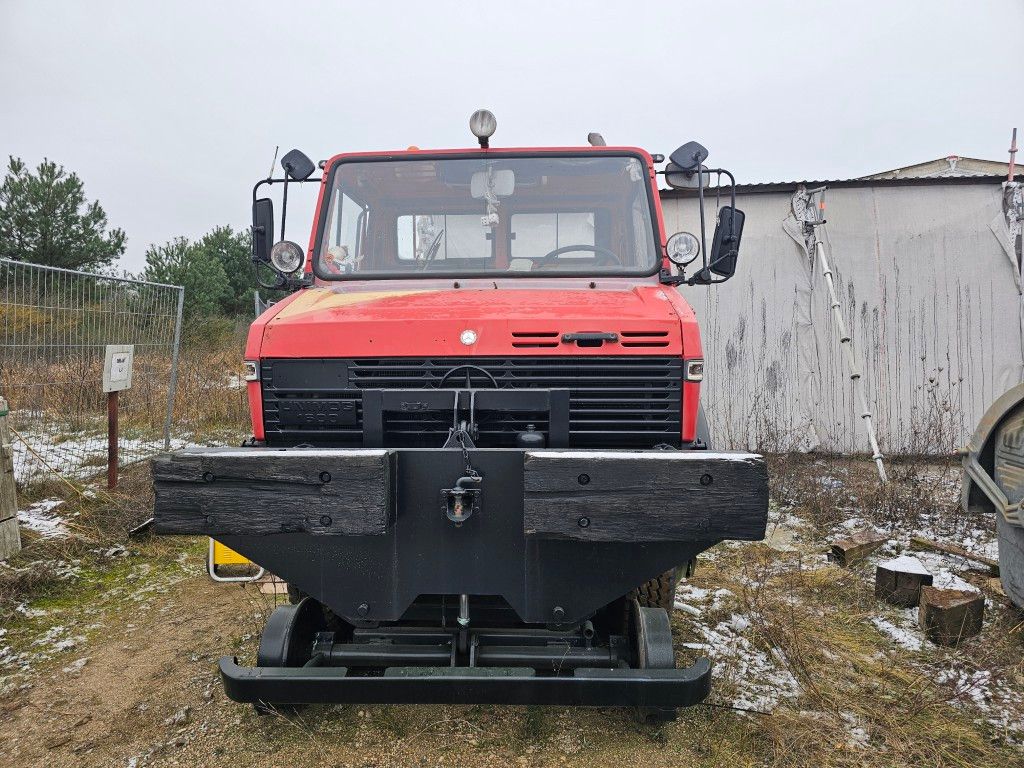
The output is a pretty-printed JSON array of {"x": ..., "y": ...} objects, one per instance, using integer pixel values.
[{"x": 170, "y": 111}]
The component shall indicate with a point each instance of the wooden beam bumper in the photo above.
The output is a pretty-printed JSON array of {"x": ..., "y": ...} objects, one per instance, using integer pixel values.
[
  {"x": 638, "y": 496},
  {"x": 256, "y": 491}
]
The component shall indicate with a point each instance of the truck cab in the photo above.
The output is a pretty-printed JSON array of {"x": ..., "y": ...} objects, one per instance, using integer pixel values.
[{"x": 478, "y": 456}]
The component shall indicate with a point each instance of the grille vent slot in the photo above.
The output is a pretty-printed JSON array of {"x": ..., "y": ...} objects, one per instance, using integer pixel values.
[
  {"x": 541, "y": 339},
  {"x": 644, "y": 338}
]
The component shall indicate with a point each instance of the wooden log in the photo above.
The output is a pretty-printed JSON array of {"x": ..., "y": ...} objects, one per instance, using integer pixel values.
[
  {"x": 899, "y": 581},
  {"x": 223, "y": 491},
  {"x": 948, "y": 616},
  {"x": 10, "y": 538},
  {"x": 920, "y": 542},
  {"x": 856, "y": 547},
  {"x": 645, "y": 496}
]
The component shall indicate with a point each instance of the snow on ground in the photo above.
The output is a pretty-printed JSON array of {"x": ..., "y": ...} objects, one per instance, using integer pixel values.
[
  {"x": 988, "y": 694},
  {"x": 41, "y": 518},
  {"x": 905, "y": 633},
  {"x": 82, "y": 454},
  {"x": 755, "y": 679}
]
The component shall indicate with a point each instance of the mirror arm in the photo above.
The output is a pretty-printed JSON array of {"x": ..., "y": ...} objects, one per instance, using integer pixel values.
[
  {"x": 284, "y": 206},
  {"x": 703, "y": 235}
]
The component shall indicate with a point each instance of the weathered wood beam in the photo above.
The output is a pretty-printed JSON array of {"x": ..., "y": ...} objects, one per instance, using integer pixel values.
[
  {"x": 899, "y": 581},
  {"x": 948, "y": 616},
  {"x": 263, "y": 491},
  {"x": 919, "y": 542},
  {"x": 645, "y": 496},
  {"x": 856, "y": 547}
]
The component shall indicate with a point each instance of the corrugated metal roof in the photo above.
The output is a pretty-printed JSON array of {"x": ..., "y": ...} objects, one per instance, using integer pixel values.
[{"x": 790, "y": 186}]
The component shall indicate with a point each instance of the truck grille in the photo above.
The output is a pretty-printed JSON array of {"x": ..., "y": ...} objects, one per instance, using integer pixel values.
[{"x": 619, "y": 401}]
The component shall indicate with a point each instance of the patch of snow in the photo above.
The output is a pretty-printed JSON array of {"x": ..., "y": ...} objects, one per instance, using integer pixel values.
[
  {"x": 902, "y": 636},
  {"x": 942, "y": 576},
  {"x": 685, "y": 591},
  {"x": 40, "y": 517},
  {"x": 759, "y": 680},
  {"x": 999, "y": 703},
  {"x": 859, "y": 737},
  {"x": 905, "y": 564},
  {"x": 679, "y": 605}
]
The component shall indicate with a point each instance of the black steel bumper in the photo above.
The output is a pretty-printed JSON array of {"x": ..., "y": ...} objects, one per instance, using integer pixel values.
[
  {"x": 555, "y": 534},
  {"x": 452, "y": 685}
]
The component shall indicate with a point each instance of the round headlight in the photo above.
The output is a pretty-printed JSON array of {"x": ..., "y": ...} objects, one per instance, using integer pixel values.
[
  {"x": 682, "y": 248},
  {"x": 286, "y": 257},
  {"x": 483, "y": 124}
]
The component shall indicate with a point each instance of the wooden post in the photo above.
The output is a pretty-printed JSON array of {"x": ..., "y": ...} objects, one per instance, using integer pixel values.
[
  {"x": 848, "y": 551},
  {"x": 112, "y": 440},
  {"x": 117, "y": 375},
  {"x": 948, "y": 616},
  {"x": 899, "y": 581},
  {"x": 10, "y": 539}
]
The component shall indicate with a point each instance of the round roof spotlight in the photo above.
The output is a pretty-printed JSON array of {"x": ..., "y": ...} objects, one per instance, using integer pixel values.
[
  {"x": 483, "y": 124},
  {"x": 682, "y": 248},
  {"x": 286, "y": 257}
]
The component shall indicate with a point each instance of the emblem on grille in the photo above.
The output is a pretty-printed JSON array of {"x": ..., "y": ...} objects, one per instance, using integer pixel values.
[{"x": 468, "y": 337}]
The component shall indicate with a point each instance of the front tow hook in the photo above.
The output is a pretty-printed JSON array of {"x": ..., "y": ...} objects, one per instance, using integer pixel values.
[{"x": 463, "y": 500}]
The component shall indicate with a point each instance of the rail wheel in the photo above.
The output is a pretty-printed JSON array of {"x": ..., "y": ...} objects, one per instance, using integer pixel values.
[
  {"x": 652, "y": 648},
  {"x": 287, "y": 639}
]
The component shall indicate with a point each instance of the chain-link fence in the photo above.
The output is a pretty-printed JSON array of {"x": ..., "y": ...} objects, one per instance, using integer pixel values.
[{"x": 55, "y": 325}]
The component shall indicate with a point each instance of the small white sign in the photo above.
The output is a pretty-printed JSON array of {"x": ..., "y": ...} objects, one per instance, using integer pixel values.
[{"x": 117, "y": 367}]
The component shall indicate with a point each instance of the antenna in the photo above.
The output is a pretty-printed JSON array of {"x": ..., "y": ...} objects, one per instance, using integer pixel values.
[
  {"x": 1013, "y": 157},
  {"x": 274, "y": 161}
]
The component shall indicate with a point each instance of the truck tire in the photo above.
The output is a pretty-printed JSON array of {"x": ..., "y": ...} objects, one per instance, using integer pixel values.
[
  {"x": 657, "y": 593},
  {"x": 661, "y": 592}
]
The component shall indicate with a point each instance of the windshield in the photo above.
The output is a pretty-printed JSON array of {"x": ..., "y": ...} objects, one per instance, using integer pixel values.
[{"x": 513, "y": 216}]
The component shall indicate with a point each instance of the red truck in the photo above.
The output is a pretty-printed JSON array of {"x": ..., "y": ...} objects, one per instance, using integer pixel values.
[{"x": 478, "y": 456}]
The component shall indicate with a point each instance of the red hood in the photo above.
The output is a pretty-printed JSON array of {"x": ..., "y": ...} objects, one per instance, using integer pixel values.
[{"x": 404, "y": 322}]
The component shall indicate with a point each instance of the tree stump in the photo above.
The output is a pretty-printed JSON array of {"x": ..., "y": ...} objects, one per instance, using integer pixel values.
[
  {"x": 848, "y": 551},
  {"x": 948, "y": 616},
  {"x": 899, "y": 581}
]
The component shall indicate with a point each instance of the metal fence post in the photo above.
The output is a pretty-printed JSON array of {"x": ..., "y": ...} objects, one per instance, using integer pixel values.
[{"x": 173, "y": 386}]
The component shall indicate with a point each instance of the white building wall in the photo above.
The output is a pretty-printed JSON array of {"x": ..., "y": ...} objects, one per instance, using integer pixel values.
[{"x": 931, "y": 293}]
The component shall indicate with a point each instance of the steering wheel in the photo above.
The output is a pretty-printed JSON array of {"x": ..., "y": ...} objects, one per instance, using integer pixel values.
[
  {"x": 605, "y": 256},
  {"x": 432, "y": 249}
]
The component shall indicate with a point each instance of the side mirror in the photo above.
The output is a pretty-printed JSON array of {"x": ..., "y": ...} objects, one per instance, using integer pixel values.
[
  {"x": 262, "y": 229},
  {"x": 689, "y": 156},
  {"x": 677, "y": 178},
  {"x": 297, "y": 166},
  {"x": 725, "y": 247}
]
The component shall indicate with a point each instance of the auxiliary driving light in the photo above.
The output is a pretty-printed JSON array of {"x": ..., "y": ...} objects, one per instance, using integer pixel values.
[
  {"x": 483, "y": 124},
  {"x": 286, "y": 257}
]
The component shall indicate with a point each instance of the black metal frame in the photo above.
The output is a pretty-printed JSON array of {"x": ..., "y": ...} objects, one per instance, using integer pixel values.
[
  {"x": 377, "y": 402},
  {"x": 446, "y": 685}
]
